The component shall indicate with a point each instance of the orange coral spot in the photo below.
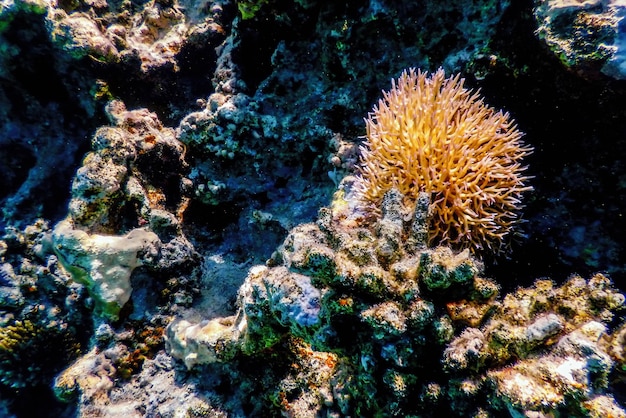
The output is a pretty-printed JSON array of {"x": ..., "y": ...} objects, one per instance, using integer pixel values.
[{"x": 331, "y": 362}]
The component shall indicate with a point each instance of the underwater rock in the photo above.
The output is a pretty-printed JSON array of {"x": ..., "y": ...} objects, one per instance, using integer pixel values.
[
  {"x": 136, "y": 166},
  {"x": 202, "y": 343},
  {"x": 588, "y": 37},
  {"x": 153, "y": 34},
  {"x": 155, "y": 391},
  {"x": 123, "y": 241},
  {"x": 120, "y": 188},
  {"x": 574, "y": 368},
  {"x": 93, "y": 373},
  {"x": 345, "y": 319},
  {"x": 556, "y": 338},
  {"x": 81, "y": 36}
]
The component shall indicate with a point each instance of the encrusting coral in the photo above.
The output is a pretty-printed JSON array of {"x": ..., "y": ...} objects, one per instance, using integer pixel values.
[
  {"x": 395, "y": 328},
  {"x": 430, "y": 134}
]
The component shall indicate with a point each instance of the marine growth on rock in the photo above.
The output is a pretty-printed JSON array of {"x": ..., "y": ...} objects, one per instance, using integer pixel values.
[{"x": 375, "y": 323}]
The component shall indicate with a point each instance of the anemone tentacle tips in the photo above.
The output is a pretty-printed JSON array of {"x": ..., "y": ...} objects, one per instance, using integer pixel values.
[{"x": 429, "y": 133}]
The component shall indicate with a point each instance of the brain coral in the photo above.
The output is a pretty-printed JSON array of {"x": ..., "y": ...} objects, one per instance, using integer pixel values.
[{"x": 430, "y": 134}]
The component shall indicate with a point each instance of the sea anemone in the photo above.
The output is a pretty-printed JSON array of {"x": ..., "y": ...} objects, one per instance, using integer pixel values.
[{"x": 430, "y": 134}]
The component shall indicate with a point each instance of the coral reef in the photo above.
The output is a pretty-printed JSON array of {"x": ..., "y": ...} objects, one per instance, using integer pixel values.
[
  {"x": 153, "y": 36},
  {"x": 250, "y": 110},
  {"x": 169, "y": 56},
  {"x": 156, "y": 152},
  {"x": 548, "y": 349},
  {"x": 92, "y": 378},
  {"x": 374, "y": 309},
  {"x": 430, "y": 134},
  {"x": 139, "y": 275},
  {"x": 24, "y": 344},
  {"x": 118, "y": 190}
]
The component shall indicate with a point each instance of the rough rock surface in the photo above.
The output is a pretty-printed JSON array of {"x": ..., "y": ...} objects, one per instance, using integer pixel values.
[{"x": 587, "y": 36}]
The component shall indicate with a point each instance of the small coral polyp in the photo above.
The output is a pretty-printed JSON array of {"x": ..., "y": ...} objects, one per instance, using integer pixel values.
[{"x": 430, "y": 134}]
